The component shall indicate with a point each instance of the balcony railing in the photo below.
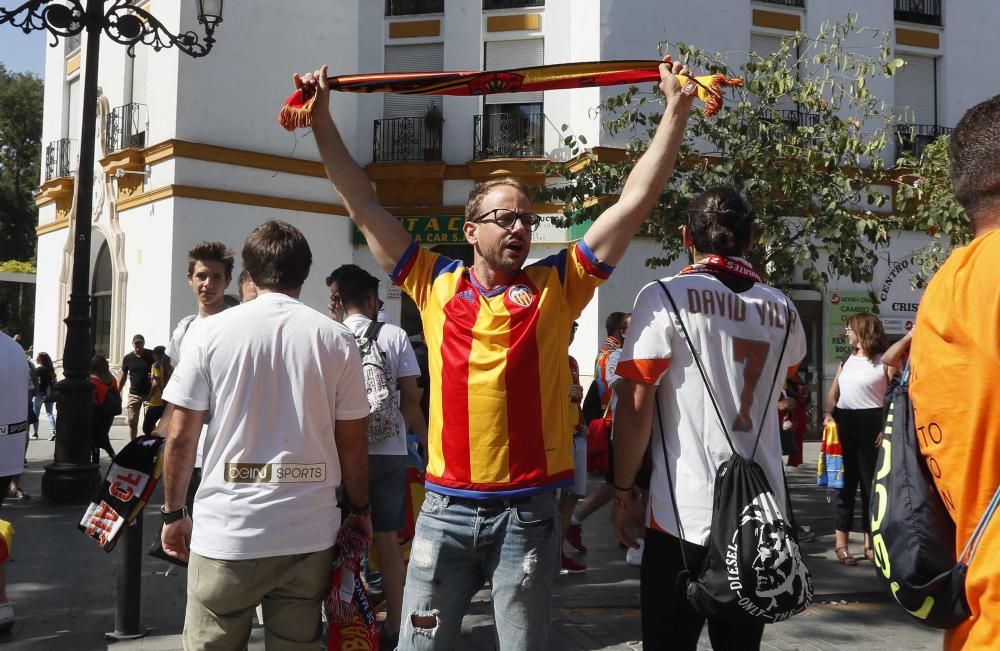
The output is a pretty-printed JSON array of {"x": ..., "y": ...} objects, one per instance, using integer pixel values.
[
  {"x": 126, "y": 127},
  {"x": 511, "y": 4},
  {"x": 411, "y": 7},
  {"x": 787, "y": 3},
  {"x": 404, "y": 139},
  {"x": 914, "y": 137},
  {"x": 506, "y": 135},
  {"x": 791, "y": 118},
  {"x": 61, "y": 157},
  {"x": 927, "y": 12}
]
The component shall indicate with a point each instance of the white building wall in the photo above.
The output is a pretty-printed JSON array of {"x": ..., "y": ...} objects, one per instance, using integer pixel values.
[
  {"x": 231, "y": 98},
  {"x": 48, "y": 306},
  {"x": 967, "y": 41}
]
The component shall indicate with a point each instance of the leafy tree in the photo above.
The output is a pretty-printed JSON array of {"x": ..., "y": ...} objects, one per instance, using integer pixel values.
[
  {"x": 20, "y": 153},
  {"x": 804, "y": 138},
  {"x": 17, "y": 267},
  {"x": 927, "y": 201}
]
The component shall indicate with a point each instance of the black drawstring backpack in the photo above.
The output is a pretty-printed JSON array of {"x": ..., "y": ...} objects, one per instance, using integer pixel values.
[
  {"x": 753, "y": 571},
  {"x": 912, "y": 532}
]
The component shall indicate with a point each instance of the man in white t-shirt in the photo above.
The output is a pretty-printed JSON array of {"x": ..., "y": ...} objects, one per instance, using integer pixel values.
[
  {"x": 356, "y": 291},
  {"x": 15, "y": 385},
  {"x": 210, "y": 269},
  {"x": 737, "y": 324},
  {"x": 282, "y": 389}
]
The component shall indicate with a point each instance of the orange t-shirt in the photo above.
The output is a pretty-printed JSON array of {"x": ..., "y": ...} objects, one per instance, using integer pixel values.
[{"x": 955, "y": 387}]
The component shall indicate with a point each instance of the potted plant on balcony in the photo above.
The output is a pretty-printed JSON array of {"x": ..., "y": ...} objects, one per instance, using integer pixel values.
[{"x": 433, "y": 126}]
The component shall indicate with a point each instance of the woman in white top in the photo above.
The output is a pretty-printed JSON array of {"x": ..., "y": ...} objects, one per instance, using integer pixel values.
[{"x": 854, "y": 402}]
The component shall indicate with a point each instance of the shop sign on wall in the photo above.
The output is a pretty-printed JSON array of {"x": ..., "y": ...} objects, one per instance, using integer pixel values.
[
  {"x": 897, "y": 299},
  {"x": 842, "y": 305},
  {"x": 428, "y": 230}
]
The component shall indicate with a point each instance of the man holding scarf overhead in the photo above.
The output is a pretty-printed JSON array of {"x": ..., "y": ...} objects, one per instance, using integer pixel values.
[{"x": 496, "y": 333}]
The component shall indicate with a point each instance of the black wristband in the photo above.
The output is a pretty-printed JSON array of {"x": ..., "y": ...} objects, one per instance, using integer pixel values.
[
  {"x": 364, "y": 510},
  {"x": 619, "y": 488},
  {"x": 169, "y": 517}
]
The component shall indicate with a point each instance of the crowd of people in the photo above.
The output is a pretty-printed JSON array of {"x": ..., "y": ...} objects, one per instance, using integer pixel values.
[{"x": 269, "y": 407}]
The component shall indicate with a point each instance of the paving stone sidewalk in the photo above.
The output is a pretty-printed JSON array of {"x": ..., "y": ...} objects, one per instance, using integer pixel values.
[{"x": 63, "y": 586}]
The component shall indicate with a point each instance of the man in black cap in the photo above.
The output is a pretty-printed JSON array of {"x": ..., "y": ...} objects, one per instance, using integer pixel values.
[{"x": 136, "y": 365}]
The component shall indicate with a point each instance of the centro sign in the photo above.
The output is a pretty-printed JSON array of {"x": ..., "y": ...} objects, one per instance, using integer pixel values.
[
  {"x": 898, "y": 301},
  {"x": 269, "y": 473}
]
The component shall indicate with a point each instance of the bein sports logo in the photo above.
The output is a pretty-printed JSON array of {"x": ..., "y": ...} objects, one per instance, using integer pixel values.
[
  {"x": 777, "y": 575},
  {"x": 274, "y": 473}
]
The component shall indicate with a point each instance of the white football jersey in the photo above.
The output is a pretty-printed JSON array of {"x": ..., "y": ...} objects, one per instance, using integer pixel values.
[{"x": 739, "y": 338}]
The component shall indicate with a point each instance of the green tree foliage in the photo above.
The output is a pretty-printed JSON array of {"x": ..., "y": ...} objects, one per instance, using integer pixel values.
[
  {"x": 927, "y": 202},
  {"x": 816, "y": 163},
  {"x": 17, "y": 267},
  {"x": 20, "y": 154}
]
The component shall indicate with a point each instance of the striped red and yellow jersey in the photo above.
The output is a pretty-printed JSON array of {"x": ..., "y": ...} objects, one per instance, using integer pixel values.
[{"x": 498, "y": 423}]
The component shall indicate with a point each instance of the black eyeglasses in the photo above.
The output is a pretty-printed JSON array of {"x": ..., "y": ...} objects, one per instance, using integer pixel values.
[{"x": 506, "y": 219}]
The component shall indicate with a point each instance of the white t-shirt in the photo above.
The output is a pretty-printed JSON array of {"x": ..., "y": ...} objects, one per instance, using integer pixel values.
[
  {"x": 738, "y": 337},
  {"x": 174, "y": 350},
  {"x": 395, "y": 345},
  {"x": 862, "y": 383},
  {"x": 275, "y": 376},
  {"x": 15, "y": 387},
  {"x": 175, "y": 345}
]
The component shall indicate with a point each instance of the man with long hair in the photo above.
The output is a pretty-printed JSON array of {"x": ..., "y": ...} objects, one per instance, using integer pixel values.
[{"x": 739, "y": 324}]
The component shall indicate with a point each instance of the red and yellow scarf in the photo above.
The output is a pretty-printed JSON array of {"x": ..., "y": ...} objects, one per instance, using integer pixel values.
[{"x": 297, "y": 110}]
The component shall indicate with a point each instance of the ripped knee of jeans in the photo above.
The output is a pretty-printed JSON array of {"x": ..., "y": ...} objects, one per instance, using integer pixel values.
[
  {"x": 425, "y": 622},
  {"x": 529, "y": 567}
]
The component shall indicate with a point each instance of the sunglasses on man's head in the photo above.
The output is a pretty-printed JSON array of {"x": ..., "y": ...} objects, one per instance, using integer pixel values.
[{"x": 506, "y": 219}]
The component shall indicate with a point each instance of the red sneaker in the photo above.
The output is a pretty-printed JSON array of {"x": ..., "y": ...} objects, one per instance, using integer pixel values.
[
  {"x": 574, "y": 536},
  {"x": 569, "y": 566}
]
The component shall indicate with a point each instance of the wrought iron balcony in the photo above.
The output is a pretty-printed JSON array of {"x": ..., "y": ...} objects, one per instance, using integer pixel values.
[
  {"x": 126, "y": 127},
  {"x": 790, "y": 118},
  {"x": 913, "y": 138},
  {"x": 61, "y": 158},
  {"x": 412, "y": 7},
  {"x": 787, "y": 3},
  {"x": 508, "y": 135},
  {"x": 405, "y": 139},
  {"x": 927, "y": 12},
  {"x": 511, "y": 4}
]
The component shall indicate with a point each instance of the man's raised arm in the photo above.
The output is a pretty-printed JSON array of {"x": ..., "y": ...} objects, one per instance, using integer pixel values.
[
  {"x": 386, "y": 237},
  {"x": 610, "y": 235}
]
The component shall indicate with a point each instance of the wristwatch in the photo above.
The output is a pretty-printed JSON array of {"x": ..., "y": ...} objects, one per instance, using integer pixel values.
[
  {"x": 169, "y": 517},
  {"x": 363, "y": 511}
]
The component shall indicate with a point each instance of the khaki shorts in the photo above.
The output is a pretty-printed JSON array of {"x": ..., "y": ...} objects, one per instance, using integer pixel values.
[{"x": 222, "y": 597}]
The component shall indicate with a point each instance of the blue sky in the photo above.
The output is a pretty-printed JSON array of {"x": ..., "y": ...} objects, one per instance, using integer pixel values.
[{"x": 20, "y": 52}]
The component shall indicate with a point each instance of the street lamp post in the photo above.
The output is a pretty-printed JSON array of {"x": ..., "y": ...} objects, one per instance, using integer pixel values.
[{"x": 72, "y": 478}]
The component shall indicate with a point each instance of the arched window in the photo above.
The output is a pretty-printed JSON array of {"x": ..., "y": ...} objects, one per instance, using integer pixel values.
[{"x": 100, "y": 305}]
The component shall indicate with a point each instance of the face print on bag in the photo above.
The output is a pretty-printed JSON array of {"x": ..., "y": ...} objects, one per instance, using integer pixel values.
[{"x": 778, "y": 563}]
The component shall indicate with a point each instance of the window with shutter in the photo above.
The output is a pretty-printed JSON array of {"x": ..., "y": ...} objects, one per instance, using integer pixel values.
[
  {"x": 766, "y": 45},
  {"x": 427, "y": 57},
  {"x": 405, "y": 132},
  {"x": 504, "y": 55},
  {"x": 73, "y": 108},
  {"x": 914, "y": 88}
]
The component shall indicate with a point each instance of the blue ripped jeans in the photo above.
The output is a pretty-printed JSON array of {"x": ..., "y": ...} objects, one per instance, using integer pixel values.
[{"x": 458, "y": 545}]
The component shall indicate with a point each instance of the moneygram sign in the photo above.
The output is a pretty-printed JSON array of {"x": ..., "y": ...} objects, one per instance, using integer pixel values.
[{"x": 841, "y": 306}]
